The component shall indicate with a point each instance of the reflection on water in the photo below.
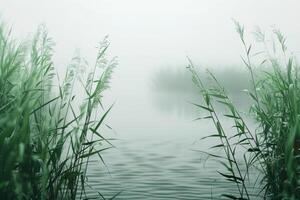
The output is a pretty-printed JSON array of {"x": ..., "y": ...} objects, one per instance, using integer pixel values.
[
  {"x": 166, "y": 165},
  {"x": 176, "y": 104}
]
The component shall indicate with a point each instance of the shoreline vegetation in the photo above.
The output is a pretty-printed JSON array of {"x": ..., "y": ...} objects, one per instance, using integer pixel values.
[
  {"x": 46, "y": 141},
  {"x": 272, "y": 148},
  {"x": 178, "y": 80}
]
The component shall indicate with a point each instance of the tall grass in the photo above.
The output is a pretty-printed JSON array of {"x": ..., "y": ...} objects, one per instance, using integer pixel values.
[
  {"x": 46, "y": 140},
  {"x": 272, "y": 147}
]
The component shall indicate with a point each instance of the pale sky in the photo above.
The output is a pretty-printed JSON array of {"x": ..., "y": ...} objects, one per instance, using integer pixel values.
[{"x": 155, "y": 31}]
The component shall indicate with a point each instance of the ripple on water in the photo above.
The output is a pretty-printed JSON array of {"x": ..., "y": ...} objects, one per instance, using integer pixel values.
[{"x": 161, "y": 170}]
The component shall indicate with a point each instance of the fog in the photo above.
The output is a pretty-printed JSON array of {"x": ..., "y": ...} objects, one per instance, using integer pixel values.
[
  {"x": 147, "y": 36},
  {"x": 151, "y": 119}
]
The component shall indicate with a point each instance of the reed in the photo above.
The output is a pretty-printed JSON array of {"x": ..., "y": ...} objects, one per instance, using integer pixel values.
[
  {"x": 46, "y": 140},
  {"x": 272, "y": 147}
]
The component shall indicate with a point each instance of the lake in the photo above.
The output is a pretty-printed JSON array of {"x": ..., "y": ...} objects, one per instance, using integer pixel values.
[{"x": 159, "y": 158}]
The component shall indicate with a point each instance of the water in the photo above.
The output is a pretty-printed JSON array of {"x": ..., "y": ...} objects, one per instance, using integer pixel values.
[
  {"x": 162, "y": 162},
  {"x": 158, "y": 170}
]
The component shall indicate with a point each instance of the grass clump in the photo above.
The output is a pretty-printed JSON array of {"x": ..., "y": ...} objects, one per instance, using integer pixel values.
[
  {"x": 271, "y": 148},
  {"x": 45, "y": 141}
]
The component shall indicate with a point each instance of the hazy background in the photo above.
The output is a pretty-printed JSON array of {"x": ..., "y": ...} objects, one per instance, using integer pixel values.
[{"x": 149, "y": 35}]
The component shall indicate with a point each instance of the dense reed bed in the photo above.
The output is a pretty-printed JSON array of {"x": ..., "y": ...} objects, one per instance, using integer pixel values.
[
  {"x": 47, "y": 140},
  {"x": 178, "y": 80},
  {"x": 271, "y": 147}
]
